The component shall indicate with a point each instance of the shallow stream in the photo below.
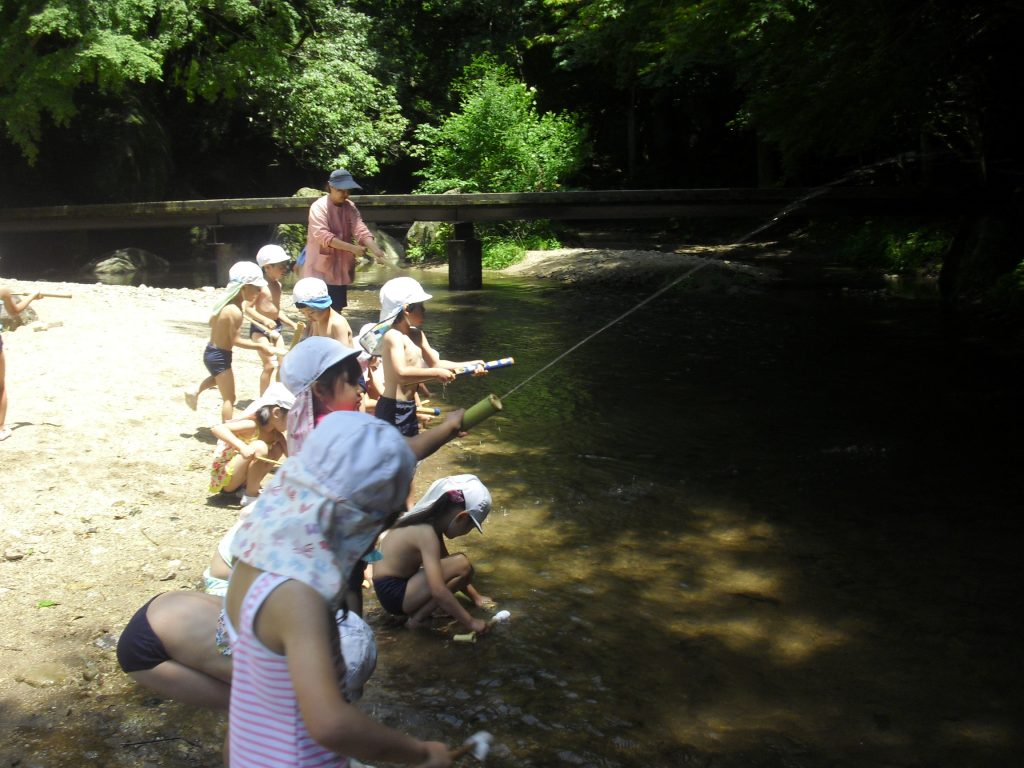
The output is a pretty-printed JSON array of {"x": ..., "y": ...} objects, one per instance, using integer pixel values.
[{"x": 769, "y": 527}]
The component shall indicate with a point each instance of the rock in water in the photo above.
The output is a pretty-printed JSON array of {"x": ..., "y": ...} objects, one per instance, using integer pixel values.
[{"x": 126, "y": 261}]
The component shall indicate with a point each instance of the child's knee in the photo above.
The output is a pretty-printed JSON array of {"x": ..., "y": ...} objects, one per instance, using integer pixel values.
[
  {"x": 260, "y": 448},
  {"x": 463, "y": 568}
]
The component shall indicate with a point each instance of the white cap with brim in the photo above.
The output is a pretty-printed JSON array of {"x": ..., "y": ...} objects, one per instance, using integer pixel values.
[
  {"x": 271, "y": 254},
  {"x": 241, "y": 273},
  {"x": 475, "y": 494},
  {"x": 397, "y": 293},
  {"x": 275, "y": 394},
  {"x": 312, "y": 292},
  {"x": 246, "y": 273}
]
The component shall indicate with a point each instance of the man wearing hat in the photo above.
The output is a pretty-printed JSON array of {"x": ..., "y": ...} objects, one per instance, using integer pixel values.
[{"x": 336, "y": 236}]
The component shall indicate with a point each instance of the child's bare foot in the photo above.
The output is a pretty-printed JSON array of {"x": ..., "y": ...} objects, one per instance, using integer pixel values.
[
  {"x": 5, "y": 432},
  {"x": 191, "y": 399},
  {"x": 417, "y": 624}
]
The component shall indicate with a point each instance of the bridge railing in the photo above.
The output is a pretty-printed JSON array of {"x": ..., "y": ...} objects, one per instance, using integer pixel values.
[
  {"x": 601, "y": 204},
  {"x": 464, "y": 250}
]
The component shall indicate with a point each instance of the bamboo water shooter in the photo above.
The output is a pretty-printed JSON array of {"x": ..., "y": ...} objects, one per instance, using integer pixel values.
[{"x": 486, "y": 408}]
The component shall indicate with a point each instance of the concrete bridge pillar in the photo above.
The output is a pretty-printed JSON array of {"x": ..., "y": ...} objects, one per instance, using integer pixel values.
[{"x": 465, "y": 259}]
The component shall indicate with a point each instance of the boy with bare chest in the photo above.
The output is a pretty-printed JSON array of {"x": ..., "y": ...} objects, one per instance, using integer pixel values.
[{"x": 407, "y": 357}]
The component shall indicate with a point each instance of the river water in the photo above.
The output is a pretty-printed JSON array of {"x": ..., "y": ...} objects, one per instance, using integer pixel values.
[{"x": 768, "y": 527}]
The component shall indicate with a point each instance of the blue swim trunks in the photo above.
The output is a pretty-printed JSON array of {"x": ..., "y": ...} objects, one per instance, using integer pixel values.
[
  {"x": 390, "y": 593},
  {"x": 217, "y": 360},
  {"x": 401, "y": 413},
  {"x": 254, "y": 330}
]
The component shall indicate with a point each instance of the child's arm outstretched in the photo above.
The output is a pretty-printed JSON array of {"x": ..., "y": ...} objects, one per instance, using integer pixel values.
[
  {"x": 298, "y": 617},
  {"x": 433, "y": 359},
  {"x": 393, "y": 350},
  {"x": 425, "y": 443},
  {"x": 17, "y": 307}
]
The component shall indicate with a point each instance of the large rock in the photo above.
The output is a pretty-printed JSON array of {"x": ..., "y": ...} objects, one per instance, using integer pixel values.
[
  {"x": 10, "y": 322},
  {"x": 125, "y": 261},
  {"x": 394, "y": 251}
]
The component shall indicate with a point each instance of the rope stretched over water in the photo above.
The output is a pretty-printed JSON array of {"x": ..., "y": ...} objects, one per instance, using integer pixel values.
[{"x": 608, "y": 325}]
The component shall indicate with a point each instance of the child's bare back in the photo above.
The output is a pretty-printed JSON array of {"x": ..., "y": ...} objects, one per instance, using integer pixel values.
[{"x": 224, "y": 326}]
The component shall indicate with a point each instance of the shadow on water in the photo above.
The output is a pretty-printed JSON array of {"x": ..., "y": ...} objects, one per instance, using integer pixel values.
[{"x": 758, "y": 529}]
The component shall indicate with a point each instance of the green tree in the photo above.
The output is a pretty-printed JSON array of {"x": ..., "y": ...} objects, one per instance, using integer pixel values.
[
  {"x": 283, "y": 69},
  {"x": 499, "y": 141}
]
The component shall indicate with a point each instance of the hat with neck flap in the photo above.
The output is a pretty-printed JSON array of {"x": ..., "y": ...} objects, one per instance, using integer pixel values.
[{"x": 326, "y": 506}]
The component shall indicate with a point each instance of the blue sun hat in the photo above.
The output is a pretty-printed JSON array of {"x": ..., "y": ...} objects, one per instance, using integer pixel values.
[{"x": 311, "y": 292}]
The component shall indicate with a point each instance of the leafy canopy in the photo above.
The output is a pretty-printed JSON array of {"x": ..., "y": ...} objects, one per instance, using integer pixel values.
[
  {"x": 498, "y": 141},
  {"x": 287, "y": 64}
]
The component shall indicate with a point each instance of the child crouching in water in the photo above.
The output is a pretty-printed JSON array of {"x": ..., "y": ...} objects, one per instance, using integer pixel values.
[
  {"x": 244, "y": 444},
  {"x": 416, "y": 574},
  {"x": 319, "y": 515}
]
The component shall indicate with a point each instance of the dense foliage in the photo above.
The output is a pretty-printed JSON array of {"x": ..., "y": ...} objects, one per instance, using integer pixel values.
[
  {"x": 498, "y": 141},
  {"x": 175, "y": 79}
]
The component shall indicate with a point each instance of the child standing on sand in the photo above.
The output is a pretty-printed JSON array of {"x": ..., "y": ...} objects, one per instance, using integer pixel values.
[
  {"x": 246, "y": 446},
  {"x": 13, "y": 308},
  {"x": 406, "y": 356},
  {"x": 244, "y": 282},
  {"x": 320, "y": 514},
  {"x": 416, "y": 575},
  {"x": 266, "y": 311},
  {"x": 312, "y": 300}
]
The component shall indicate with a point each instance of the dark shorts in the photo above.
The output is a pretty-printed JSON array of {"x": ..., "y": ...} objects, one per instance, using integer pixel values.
[
  {"x": 401, "y": 413},
  {"x": 217, "y": 360},
  {"x": 139, "y": 648},
  {"x": 256, "y": 331},
  {"x": 390, "y": 593},
  {"x": 339, "y": 296}
]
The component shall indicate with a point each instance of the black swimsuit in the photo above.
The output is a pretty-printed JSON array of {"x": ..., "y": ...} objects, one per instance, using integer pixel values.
[{"x": 139, "y": 648}]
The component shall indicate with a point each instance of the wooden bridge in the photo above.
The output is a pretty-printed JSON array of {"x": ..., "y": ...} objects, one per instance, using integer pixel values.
[{"x": 464, "y": 252}]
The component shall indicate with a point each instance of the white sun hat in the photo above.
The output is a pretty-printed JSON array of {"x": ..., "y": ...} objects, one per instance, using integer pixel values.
[
  {"x": 311, "y": 291},
  {"x": 271, "y": 254},
  {"x": 246, "y": 273},
  {"x": 473, "y": 493},
  {"x": 396, "y": 293}
]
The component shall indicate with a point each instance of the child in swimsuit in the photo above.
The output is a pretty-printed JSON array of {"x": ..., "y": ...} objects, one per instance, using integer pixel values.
[
  {"x": 265, "y": 311},
  {"x": 13, "y": 308},
  {"x": 314, "y": 302},
  {"x": 293, "y": 555},
  {"x": 170, "y": 647},
  {"x": 244, "y": 283},
  {"x": 416, "y": 575},
  {"x": 244, "y": 444},
  {"x": 406, "y": 356}
]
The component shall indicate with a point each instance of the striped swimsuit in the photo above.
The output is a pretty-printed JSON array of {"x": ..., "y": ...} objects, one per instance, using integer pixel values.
[{"x": 266, "y": 728}]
